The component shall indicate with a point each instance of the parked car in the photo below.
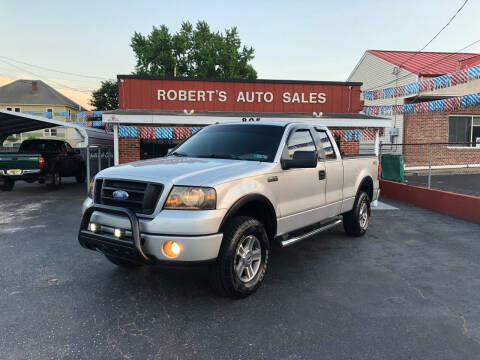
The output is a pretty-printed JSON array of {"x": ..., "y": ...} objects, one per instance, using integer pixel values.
[
  {"x": 45, "y": 161},
  {"x": 225, "y": 197}
]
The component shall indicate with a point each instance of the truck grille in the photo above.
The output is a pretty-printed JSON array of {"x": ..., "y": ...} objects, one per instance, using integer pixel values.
[{"x": 142, "y": 197}]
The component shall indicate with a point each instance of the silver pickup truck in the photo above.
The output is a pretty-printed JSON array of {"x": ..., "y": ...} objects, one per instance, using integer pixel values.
[{"x": 226, "y": 196}]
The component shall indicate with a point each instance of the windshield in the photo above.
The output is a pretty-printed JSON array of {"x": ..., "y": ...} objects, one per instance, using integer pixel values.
[{"x": 242, "y": 142}]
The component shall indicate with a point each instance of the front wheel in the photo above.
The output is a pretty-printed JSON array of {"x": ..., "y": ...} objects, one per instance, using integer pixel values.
[
  {"x": 243, "y": 258},
  {"x": 8, "y": 184},
  {"x": 356, "y": 221}
]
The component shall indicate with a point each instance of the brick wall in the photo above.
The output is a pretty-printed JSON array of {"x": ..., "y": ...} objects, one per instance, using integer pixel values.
[
  {"x": 129, "y": 150},
  {"x": 348, "y": 147},
  {"x": 433, "y": 127}
]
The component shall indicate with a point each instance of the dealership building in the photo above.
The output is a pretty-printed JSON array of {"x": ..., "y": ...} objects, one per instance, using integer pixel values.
[{"x": 156, "y": 113}]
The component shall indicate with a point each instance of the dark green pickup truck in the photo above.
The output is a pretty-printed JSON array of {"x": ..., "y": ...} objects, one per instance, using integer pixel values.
[{"x": 45, "y": 161}]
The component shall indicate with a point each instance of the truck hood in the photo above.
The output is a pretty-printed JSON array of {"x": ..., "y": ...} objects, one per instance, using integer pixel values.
[{"x": 186, "y": 171}]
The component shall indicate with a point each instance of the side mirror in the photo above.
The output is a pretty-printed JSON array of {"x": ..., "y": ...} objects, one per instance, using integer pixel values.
[
  {"x": 301, "y": 159},
  {"x": 170, "y": 150}
]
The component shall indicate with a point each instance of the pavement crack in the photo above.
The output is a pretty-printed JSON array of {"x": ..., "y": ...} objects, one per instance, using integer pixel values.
[
  {"x": 447, "y": 310},
  {"x": 465, "y": 329}
]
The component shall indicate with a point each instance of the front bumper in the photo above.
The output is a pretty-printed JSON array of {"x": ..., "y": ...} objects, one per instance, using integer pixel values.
[{"x": 140, "y": 246}]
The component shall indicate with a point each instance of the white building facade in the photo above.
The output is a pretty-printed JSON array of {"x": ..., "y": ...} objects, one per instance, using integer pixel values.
[{"x": 376, "y": 73}]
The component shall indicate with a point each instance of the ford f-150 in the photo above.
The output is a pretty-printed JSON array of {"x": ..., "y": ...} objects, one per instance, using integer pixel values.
[{"x": 226, "y": 196}]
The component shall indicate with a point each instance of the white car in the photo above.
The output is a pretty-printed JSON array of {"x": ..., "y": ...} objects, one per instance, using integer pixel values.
[{"x": 225, "y": 196}]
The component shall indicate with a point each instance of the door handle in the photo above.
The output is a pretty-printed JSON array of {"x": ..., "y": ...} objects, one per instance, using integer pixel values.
[{"x": 322, "y": 174}]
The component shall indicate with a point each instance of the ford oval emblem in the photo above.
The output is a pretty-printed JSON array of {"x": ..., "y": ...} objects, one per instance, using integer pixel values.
[{"x": 120, "y": 195}]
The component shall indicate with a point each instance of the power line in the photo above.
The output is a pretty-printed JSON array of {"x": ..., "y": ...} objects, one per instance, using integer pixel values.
[
  {"x": 57, "y": 71},
  {"x": 87, "y": 91},
  {"x": 438, "y": 33},
  {"x": 426, "y": 66}
]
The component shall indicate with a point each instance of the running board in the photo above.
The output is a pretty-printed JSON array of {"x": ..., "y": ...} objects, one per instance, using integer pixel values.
[{"x": 295, "y": 239}]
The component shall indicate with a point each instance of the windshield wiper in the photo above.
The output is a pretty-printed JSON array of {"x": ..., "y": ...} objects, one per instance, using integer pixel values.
[
  {"x": 220, "y": 156},
  {"x": 175, "y": 153}
]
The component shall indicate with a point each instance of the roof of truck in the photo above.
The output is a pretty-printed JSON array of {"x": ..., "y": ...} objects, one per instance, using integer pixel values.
[{"x": 282, "y": 123}]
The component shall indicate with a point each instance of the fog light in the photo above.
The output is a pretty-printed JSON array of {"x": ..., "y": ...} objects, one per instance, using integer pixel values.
[
  {"x": 171, "y": 248},
  {"x": 118, "y": 233},
  {"x": 93, "y": 227}
]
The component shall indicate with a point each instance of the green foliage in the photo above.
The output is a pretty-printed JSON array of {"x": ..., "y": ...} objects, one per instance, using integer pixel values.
[
  {"x": 12, "y": 138},
  {"x": 32, "y": 138},
  {"x": 193, "y": 52},
  {"x": 106, "y": 97}
]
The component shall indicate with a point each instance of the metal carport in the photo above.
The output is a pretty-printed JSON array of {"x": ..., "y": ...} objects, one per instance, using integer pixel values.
[{"x": 17, "y": 122}]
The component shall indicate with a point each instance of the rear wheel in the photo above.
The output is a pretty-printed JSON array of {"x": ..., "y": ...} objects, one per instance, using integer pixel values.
[
  {"x": 8, "y": 184},
  {"x": 122, "y": 262},
  {"x": 356, "y": 221},
  {"x": 243, "y": 258},
  {"x": 54, "y": 179}
]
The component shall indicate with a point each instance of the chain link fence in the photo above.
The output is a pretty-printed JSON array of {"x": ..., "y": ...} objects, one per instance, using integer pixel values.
[
  {"x": 97, "y": 158},
  {"x": 453, "y": 167},
  {"x": 4, "y": 149}
]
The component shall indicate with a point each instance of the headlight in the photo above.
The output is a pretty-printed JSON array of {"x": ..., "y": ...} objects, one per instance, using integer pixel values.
[
  {"x": 90, "y": 188},
  {"x": 191, "y": 198}
]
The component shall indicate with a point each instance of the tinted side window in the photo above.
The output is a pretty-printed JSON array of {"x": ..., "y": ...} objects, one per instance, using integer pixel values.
[
  {"x": 328, "y": 148},
  {"x": 300, "y": 140}
]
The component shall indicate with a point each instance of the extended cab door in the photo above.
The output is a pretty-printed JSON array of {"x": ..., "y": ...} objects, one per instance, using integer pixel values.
[
  {"x": 301, "y": 192},
  {"x": 333, "y": 173}
]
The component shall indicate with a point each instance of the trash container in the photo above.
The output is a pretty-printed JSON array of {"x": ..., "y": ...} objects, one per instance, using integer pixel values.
[{"x": 393, "y": 167}]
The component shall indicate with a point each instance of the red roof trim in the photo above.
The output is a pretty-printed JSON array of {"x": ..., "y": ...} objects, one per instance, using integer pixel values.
[{"x": 428, "y": 63}]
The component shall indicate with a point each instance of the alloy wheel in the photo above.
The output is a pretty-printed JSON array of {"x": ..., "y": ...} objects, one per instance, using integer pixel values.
[
  {"x": 363, "y": 215},
  {"x": 248, "y": 258}
]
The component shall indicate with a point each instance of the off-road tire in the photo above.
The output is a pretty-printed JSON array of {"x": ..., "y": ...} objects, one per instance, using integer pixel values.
[
  {"x": 8, "y": 185},
  {"x": 352, "y": 221},
  {"x": 54, "y": 180},
  {"x": 122, "y": 262},
  {"x": 223, "y": 276}
]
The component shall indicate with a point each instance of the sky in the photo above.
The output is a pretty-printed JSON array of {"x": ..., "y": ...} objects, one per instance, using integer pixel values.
[{"x": 300, "y": 40}]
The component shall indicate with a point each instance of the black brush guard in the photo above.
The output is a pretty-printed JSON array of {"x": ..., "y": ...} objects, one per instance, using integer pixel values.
[{"x": 109, "y": 244}]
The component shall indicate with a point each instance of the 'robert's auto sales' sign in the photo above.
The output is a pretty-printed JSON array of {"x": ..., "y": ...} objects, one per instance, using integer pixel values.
[{"x": 242, "y": 96}]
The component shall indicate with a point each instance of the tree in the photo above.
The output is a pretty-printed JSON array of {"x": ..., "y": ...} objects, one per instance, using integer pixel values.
[
  {"x": 106, "y": 97},
  {"x": 193, "y": 52}
]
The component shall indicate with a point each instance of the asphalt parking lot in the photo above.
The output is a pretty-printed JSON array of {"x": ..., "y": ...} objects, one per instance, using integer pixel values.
[
  {"x": 409, "y": 289},
  {"x": 467, "y": 184}
]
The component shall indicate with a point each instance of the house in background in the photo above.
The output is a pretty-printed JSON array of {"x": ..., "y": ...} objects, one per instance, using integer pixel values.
[
  {"x": 460, "y": 128},
  {"x": 37, "y": 98},
  {"x": 380, "y": 69}
]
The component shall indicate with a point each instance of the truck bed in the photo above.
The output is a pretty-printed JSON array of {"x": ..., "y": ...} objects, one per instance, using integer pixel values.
[{"x": 22, "y": 161}]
